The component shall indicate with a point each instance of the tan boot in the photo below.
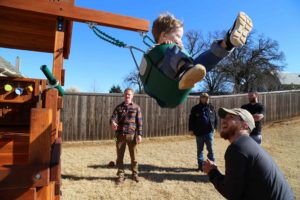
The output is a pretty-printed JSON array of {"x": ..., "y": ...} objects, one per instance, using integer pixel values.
[
  {"x": 120, "y": 177},
  {"x": 192, "y": 76},
  {"x": 120, "y": 180},
  {"x": 240, "y": 30},
  {"x": 135, "y": 178}
]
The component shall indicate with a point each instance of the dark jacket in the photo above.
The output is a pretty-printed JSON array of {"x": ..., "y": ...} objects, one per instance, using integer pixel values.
[
  {"x": 203, "y": 119},
  {"x": 256, "y": 108},
  {"x": 250, "y": 173}
]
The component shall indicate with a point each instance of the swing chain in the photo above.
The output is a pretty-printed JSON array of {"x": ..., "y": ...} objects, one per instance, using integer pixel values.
[
  {"x": 146, "y": 37},
  {"x": 119, "y": 43},
  {"x": 106, "y": 37}
]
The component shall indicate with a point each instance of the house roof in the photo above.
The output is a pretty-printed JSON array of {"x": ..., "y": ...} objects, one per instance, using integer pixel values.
[
  {"x": 8, "y": 70},
  {"x": 289, "y": 78}
]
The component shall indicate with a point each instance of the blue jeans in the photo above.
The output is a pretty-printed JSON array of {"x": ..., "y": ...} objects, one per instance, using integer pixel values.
[
  {"x": 209, "y": 59},
  {"x": 208, "y": 140}
]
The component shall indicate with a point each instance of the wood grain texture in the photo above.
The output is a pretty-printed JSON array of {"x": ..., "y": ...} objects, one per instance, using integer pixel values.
[
  {"x": 40, "y": 136},
  {"x": 79, "y": 14},
  {"x": 18, "y": 194},
  {"x": 86, "y": 116},
  {"x": 24, "y": 176}
]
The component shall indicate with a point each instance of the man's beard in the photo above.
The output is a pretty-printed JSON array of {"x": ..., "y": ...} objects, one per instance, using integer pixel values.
[
  {"x": 228, "y": 133},
  {"x": 252, "y": 100}
]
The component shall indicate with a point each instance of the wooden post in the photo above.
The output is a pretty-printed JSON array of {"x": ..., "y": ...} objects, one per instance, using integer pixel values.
[
  {"x": 50, "y": 32},
  {"x": 51, "y": 102},
  {"x": 55, "y": 103},
  {"x": 40, "y": 146},
  {"x": 58, "y": 58},
  {"x": 40, "y": 136}
]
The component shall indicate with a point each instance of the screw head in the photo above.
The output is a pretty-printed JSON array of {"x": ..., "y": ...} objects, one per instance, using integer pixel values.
[{"x": 37, "y": 177}]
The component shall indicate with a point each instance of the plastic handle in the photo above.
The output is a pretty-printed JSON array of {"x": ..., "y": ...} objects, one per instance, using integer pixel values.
[
  {"x": 52, "y": 81},
  {"x": 48, "y": 74}
]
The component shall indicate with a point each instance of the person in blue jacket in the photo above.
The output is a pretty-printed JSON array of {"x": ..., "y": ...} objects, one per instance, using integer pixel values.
[{"x": 202, "y": 123}]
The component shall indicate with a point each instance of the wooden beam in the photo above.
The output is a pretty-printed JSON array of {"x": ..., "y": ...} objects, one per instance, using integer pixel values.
[
  {"x": 46, "y": 192},
  {"x": 51, "y": 102},
  {"x": 20, "y": 193},
  {"x": 13, "y": 159},
  {"x": 79, "y": 14},
  {"x": 24, "y": 176},
  {"x": 27, "y": 23},
  {"x": 13, "y": 146},
  {"x": 58, "y": 59},
  {"x": 31, "y": 31},
  {"x": 39, "y": 137},
  {"x": 26, "y": 41}
]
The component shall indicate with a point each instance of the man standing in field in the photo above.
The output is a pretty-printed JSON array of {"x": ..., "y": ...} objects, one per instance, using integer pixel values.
[
  {"x": 257, "y": 110},
  {"x": 202, "y": 123},
  {"x": 126, "y": 121},
  {"x": 250, "y": 172}
]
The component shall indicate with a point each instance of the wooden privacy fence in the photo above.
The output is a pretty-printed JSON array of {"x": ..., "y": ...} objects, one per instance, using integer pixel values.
[{"x": 86, "y": 116}]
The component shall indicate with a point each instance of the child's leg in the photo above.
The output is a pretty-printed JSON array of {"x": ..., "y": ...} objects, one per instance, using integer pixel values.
[
  {"x": 235, "y": 37},
  {"x": 191, "y": 75},
  {"x": 238, "y": 33},
  {"x": 172, "y": 59},
  {"x": 177, "y": 65},
  {"x": 213, "y": 56}
]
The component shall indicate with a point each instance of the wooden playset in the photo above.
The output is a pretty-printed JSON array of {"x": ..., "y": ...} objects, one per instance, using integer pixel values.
[{"x": 30, "y": 126}]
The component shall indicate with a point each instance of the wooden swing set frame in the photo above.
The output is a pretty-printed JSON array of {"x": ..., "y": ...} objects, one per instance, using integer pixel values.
[{"x": 30, "y": 126}]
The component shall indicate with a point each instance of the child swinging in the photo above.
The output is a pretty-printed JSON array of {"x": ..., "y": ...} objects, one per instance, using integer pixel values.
[{"x": 169, "y": 73}]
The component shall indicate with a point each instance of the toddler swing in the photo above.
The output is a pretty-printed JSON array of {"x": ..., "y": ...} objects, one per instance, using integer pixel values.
[{"x": 156, "y": 84}]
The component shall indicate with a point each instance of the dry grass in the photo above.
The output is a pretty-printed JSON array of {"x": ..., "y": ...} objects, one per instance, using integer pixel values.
[{"x": 166, "y": 166}]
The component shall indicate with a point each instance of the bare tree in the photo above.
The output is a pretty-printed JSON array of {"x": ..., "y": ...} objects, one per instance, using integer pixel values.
[
  {"x": 195, "y": 42},
  {"x": 133, "y": 79},
  {"x": 215, "y": 81},
  {"x": 254, "y": 65}
]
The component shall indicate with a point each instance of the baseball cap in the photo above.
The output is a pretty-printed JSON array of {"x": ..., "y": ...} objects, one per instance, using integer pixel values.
[
  {"x": 204, "y": 94},
  {"x": 244, "y": 114}
]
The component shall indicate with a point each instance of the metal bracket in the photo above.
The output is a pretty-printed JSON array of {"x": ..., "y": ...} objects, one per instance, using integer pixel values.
[{"x": 60, "y": 23}]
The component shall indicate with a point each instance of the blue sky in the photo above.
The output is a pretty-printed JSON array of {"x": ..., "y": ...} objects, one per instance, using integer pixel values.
[{"x": 95, "y": 64}]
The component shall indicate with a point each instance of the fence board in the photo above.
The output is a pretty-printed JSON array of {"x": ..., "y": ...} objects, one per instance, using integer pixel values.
[{"x": 86, "y": 116}]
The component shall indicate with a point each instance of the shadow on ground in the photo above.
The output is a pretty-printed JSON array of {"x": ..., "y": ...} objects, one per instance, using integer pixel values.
[
  {"x": 161, "y": 177},
  {"x": 89, "y": 178},
  {"x": 148, "y": 168},
  {"x": 151, "y": 173}
]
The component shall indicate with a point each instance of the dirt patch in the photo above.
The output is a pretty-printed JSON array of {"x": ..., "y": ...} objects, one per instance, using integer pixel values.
[{"x": 167, "y": 166}]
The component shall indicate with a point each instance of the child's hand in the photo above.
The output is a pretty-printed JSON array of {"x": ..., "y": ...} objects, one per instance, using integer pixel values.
[
  {"x": 180, "y": 45},
  {"x": 171, "y": 42},
  {"x": 167, "y": 41}
]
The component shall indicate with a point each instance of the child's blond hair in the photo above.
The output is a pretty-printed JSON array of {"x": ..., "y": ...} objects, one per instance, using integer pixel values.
[{"x": 165, "y": 22}]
